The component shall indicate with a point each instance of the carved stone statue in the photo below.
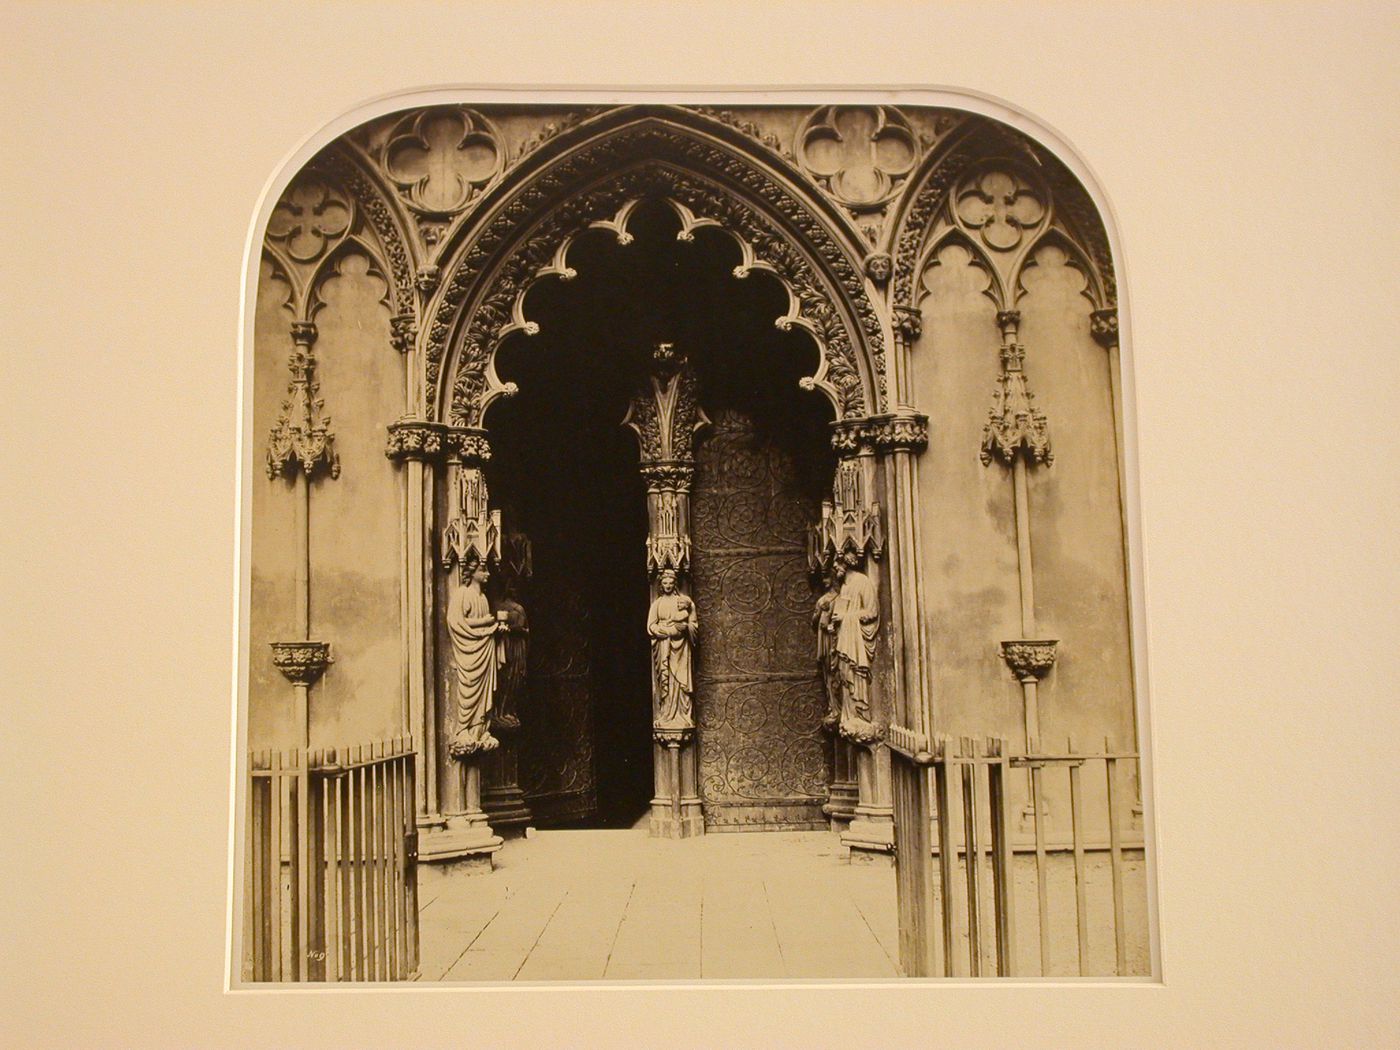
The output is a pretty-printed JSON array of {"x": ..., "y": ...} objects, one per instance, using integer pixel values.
[
  {"x": 477, "y": 655},
  {"x": 673, "y": 628},
  {"x": 826, "y": 652},
  {"x": 855, "y": 614},
  {"x": 514, "y": 641}
]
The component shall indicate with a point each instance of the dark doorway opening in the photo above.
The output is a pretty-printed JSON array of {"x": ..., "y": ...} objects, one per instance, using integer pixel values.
[{"x": 567, "y": 469}]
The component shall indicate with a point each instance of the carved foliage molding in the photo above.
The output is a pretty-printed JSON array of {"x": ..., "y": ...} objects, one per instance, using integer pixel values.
[
  {"x": 720, "y": 202},
  {"x": 1029, "y": 659},
  {"x": 303, "y": 662}
]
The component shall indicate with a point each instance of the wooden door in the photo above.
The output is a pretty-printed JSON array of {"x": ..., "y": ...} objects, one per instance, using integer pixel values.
[{"x": 758, "y": 699}]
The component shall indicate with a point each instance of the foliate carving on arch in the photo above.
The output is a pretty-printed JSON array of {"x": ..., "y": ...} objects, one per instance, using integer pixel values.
[
  {"x": 861, "y": 155},
  {"x": 746, "y": 127},
  {"x": 710, "y": 200}
]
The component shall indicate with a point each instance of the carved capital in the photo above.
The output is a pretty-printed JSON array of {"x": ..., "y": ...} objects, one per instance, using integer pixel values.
[
  {"x": 403, "y": 332},
  {"x": 879, "y": 434},
  {"x": 671, "y": 476},
  {"x": 672, "y": 736},
  {"x": 1029, "y": 659},
  {"x": 303, "y": 334},
  {"x": 665, "y": 413},
  {"x": 1103, "y": 324},
  {"x": 302, "y": 662},
  {"x": 909, "y": 322},
  {"x": 469, "y": 444},
  {"x": 1009, "y": 321},
  {"x": 411, "y": 438}
]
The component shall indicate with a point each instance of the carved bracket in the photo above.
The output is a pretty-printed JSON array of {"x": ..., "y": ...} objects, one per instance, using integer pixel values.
[
  {"x": 1103, "y": 324},
  {"x": 1029, "y": 659},
  {"x": 302, "y": 662}
]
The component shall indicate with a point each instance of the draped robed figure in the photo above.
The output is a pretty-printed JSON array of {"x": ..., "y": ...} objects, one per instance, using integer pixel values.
[
  {"x": 672, "y": 626},
  {"x": 855, "y": 613},
  {"x": 477, "y": 656}
]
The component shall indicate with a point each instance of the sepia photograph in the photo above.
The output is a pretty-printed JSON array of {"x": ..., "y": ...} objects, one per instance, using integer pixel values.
[
  {"x": 727, "y": 524},
  {"x": 693, "y": 544}
]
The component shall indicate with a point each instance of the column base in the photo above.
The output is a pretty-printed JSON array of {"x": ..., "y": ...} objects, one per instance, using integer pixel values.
[
  {"x": 870, "y": 841},
  {"x": 663, "y": 823},
  {"x": 840, "y": 806},
  {"x": 506, "y": 810},
  {"x": 460, "y": 844}
]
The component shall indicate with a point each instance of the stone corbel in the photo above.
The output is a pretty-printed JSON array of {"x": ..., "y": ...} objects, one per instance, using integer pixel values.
[
  {"x": 909, "y": 323},
  {"x": 1030, "y": 660},
  {"x": 1103, "y": 325},
  {"x": 302, "y": 662}
]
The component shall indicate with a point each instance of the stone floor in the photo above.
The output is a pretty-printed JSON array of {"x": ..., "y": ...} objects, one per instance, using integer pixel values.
[{"x": 619, "y": 905}]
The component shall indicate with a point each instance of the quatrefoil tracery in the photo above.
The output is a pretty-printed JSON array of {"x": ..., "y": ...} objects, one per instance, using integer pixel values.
[
  {"x": 861, "y": 154},
  {"x": 443, "y": 158},
  {"x": 1001, "y": 207},
  {"x": 308, "y": 218}
]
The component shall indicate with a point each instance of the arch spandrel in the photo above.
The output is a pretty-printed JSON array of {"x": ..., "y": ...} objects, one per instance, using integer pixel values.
[{"x": 780, "y": 228}]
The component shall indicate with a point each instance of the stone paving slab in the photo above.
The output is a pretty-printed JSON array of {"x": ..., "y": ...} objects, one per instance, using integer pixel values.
[{"x": 618, "y": 905}]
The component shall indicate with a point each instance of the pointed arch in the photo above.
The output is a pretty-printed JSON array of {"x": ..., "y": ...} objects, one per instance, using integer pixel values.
[{"x": 595, "y": 179}]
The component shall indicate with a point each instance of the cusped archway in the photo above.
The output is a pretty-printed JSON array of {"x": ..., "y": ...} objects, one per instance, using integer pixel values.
[{"x": 523, "y": 235}]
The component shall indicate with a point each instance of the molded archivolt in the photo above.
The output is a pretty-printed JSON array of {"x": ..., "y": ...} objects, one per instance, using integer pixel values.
[{"x": 526, "y": 236}]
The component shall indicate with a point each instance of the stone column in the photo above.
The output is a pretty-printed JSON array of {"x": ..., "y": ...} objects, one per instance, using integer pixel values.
[
  {"x": 301, "y": 445},
  {"x": 1103, "y": 324},
  {"x": 665, "y": 414},
  {"x": 1018, "y": 436},
  {"x": 850, "y": 539},
  {"x": 452, "y": 826}
]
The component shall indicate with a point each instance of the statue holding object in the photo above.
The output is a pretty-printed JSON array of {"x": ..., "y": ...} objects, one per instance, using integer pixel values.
[
  {"x": 673, "y": 628},
  {"x": 477, "y": 654}
]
